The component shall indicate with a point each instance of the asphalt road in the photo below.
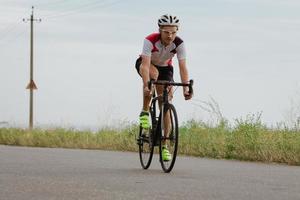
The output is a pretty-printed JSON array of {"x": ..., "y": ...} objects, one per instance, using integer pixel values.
[{"x": 43, "y": 173}]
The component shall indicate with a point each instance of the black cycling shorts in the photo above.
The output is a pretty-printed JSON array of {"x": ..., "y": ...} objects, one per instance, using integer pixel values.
[{"x": 165, "y": 72}]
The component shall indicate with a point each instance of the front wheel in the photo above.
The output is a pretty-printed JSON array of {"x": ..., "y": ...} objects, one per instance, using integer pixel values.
[
  {"x": 169, "y": 137},
  {"x": 145, "y": 147}
]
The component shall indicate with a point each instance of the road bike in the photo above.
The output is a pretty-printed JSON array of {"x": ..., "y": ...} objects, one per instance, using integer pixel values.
[{"x": 164, "y": 127}]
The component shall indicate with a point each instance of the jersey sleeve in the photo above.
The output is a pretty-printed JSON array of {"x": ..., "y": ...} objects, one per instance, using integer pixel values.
[
  {"x": 181, "y": 53},
  {"x": 147, "y": 48}
]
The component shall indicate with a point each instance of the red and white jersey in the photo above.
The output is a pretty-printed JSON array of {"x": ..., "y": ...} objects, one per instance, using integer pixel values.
[{"x": 162, "y": 55}]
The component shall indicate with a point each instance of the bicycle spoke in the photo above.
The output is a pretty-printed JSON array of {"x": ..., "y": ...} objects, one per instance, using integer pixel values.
[{"x": 170, "y": 140}]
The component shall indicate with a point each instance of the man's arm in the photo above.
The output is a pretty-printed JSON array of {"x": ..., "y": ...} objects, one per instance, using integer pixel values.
[
  {"x": 184, "y": 78},
  {"x": 144, "y": 71},
  {"x": 183, "y": 71}
]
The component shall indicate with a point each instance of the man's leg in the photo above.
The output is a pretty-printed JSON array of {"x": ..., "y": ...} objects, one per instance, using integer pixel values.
[
  {"x": 167, "y": 122},
  {"x": 144, "y": 116},
  {"x": 167, "y": 119}
]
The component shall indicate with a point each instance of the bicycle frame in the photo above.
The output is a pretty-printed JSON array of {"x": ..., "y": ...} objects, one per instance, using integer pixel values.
[
  {"x": 156, "y": 136},
  {"x": 159, "y": 130}
]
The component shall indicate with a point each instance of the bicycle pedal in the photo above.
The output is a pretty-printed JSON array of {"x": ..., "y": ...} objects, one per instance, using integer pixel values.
[{"x": 139, "y": 142}]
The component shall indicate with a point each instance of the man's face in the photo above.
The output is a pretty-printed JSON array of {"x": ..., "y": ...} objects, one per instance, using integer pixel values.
[{"x": 168, "y": 34}]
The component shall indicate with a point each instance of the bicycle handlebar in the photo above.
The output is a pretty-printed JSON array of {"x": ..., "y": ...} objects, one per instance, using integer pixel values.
[{"x": 171, "y": 83}]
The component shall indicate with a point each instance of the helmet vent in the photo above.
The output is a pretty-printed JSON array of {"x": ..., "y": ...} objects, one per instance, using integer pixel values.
[{"x": 168, "y": 20}]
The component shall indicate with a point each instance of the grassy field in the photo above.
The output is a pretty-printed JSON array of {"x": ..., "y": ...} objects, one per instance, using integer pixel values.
[{"x": 248, "y": 140}]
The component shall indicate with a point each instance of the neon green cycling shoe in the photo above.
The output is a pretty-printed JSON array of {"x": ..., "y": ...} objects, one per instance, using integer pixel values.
[
  {"x": 144, "y": 120},
  {"x": 166, "y": 156}
]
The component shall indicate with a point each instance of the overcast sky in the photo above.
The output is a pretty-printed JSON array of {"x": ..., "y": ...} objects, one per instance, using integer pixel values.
[{"x": 242, "y": 53}]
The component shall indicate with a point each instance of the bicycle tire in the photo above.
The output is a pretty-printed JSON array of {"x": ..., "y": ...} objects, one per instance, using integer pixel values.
[
  {"x": 171, "y": 141},
  {"x": 146, "y": 147}
]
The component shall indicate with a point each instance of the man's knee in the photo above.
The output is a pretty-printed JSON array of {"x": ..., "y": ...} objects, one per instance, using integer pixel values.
[{"x": 153, "y": 72}]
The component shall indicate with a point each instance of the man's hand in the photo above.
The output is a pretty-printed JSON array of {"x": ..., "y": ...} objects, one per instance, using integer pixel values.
[
  {"x": 147, "y": 92},
  {"x": 186, "y": 93}
]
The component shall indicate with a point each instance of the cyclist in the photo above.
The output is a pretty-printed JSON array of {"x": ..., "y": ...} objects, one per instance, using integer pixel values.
[{"x": 155, "y": 62}]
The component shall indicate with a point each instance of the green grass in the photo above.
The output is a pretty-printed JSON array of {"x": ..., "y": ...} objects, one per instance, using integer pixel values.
[
  {"x": 251, "y": 142},
  {"x": 247, "y": 140},
  {"x": 107, "y": 139}
]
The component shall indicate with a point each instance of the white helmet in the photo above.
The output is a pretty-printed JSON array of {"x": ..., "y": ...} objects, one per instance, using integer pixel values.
[{"x": 168, "y": 20}]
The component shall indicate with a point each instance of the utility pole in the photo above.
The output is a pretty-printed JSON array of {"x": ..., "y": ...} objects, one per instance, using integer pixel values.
[{"x": 31, "y": 85}]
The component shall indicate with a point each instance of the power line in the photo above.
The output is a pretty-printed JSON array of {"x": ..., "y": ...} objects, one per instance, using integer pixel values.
[
  {"x": 52, "y": 3},
  {"x": 10, "y": 40},
  {"x": 83, "y": 8},
  {"x": 8, "y": 29},
  {"x": 9, "y": 35},
  {"x": 68, "y": 5}
]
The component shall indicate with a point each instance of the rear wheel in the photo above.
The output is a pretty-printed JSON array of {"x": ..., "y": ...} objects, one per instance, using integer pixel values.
[{"x": 169, "y": 139}]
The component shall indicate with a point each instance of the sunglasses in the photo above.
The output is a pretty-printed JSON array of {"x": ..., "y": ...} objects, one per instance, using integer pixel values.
[{"x": 167, "y": 32}]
